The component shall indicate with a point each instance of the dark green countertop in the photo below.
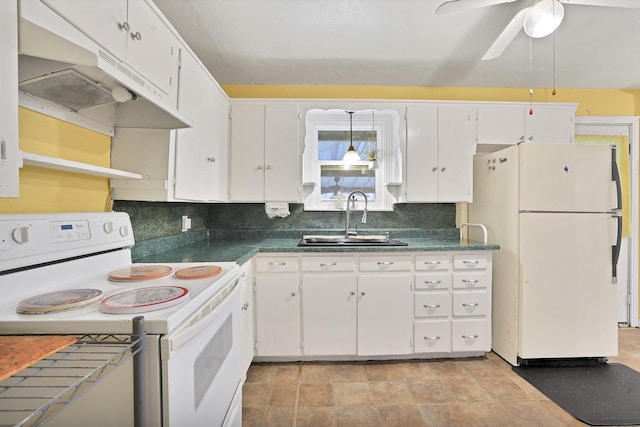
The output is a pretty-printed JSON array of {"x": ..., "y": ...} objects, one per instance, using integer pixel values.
[{"x": 241, "y": 251}]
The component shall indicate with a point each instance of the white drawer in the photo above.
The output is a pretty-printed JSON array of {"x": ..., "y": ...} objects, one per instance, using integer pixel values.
[
  {"x": 433, "y": 281},
  {"x": 470, "y": 303},
  {"x": 384, "y": 262},
  {"x": 470, "y": 280},
  {"x": 277, "y": 264},
  {"x": 432, "y": 304},
  {"x": 432, "y": 337},
  {"x": 433, "y": 262},
  {"x": 469, "y": 262},
  {"x": 316, "y": 264},
  {"x": 470, "y": 335}
]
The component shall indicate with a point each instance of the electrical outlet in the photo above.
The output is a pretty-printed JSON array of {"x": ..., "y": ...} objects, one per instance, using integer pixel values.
[{"x": 186, "y": 223}]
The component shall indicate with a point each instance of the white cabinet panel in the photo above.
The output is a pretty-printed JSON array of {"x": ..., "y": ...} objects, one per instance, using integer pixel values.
[
  {"x": 433, "y": 281},
  {"x": 329, "y": 307},
  {"x": 470, "y": 335},
  {"x": 465, "y": 280},
  {"x": 433, "y": 304},
  {"x": 247, "y": 348},
  {"x": 432, "y": 337},
  {"x": 265, "y": 163},
  {"x": 422, "y": 153},
  {"x": 433, "y": 262},
  {"x": 328, "y": 264},
  {"x": 277, "y": 315},
  {"x": 277, "y": 264},
  {"x": 385, "y": 262},
  {"x": 384, "y": 314},
  {"x": 470, "y": 304}
]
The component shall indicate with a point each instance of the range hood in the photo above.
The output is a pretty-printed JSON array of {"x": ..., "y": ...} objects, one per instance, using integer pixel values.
[{"x": 63, "y": 73}]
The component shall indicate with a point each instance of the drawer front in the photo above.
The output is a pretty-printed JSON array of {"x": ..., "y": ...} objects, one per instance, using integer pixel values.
[
  {"x": 432, "y": 281},
  {"x": 470, "y": 335},
  {"x": 432, "y": 337},
  {"x": 433, "y": 262},
  {"x": 470, "y": 304},
  {"x": 277, "y": 265},
  {"x": 432, "y": 304},
  {"x": 470, "y": 262},
  {"x": 315, "y": 264},
  {"x": 470, "y": 280},
  {"x": 384, "y": 262}
]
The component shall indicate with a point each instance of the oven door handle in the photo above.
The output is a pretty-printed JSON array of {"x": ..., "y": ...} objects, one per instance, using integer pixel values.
[{"x": 205, "y": 315}]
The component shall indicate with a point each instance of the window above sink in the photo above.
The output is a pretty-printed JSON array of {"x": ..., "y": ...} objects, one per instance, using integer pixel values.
[{"x": 328, "y": 180}]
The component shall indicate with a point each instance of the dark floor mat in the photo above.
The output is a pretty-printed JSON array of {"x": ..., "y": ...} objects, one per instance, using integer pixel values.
[{"x": 607, "y": 394}]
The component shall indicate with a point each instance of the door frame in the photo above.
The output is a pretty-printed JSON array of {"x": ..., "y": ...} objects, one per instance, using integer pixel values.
[{"x": 631, "y": 123}]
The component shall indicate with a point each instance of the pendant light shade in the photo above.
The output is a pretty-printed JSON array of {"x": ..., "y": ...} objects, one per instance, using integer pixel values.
[
  {"x": 543, "y": 18},
  {"x": 351, "y": 156}
]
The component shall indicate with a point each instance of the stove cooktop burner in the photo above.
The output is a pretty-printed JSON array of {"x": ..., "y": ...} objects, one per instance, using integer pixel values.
[
  {"x": 52, "y": 302},
  {"x": 144, "y": 300},
  {"x": 140, "y": 272}
]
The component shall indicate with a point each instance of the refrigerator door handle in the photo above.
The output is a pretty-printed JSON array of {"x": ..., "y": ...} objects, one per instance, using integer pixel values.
[
  {"x": 615, "y": 176},
  {"x": 615, "y": 251}
]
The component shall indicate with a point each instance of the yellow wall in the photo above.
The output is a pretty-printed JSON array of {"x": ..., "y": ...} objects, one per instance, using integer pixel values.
[{"x": 47, "y": 190}]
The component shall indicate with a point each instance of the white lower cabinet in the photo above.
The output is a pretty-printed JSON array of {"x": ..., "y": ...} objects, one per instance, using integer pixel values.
[
  {"x": 435, "y": 304},
  {"x": 384, "y": 314},
  {"x": 246, "y": 289},
  {"x": 277, "y": 307}
]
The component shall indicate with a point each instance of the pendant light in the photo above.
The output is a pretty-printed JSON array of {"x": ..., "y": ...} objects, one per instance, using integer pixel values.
[{"x": 351, "y": 156}]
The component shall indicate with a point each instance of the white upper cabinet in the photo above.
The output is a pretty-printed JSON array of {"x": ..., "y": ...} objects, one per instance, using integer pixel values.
[
  {"x": 507, "y": 124},
  {"x": 201, "y": 151},
  {"x": 180, "y": 165},
  {"x": 9, "y": 154},
  {"x": 134, "y": 31},
  {"x": 265, "y": 161},
  {"x": 440, "y": 148}
]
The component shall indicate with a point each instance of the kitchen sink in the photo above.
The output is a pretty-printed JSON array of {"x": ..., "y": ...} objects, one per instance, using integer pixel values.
[{"x": 341, "y": 240}]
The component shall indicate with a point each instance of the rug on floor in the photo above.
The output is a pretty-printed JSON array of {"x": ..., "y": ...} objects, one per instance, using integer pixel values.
[{"x": 600, "y": 395}]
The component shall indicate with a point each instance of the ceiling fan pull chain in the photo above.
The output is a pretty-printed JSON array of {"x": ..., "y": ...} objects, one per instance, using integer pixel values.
[
  {"x": 530, "y": 77},
  {"x": 553, "y": 92}
]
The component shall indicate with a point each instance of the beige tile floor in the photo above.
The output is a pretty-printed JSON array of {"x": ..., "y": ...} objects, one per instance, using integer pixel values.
[{"x": 455, "y": 392}]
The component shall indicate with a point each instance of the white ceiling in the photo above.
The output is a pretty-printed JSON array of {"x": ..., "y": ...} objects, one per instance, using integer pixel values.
[{"x": 403, "y": 43}]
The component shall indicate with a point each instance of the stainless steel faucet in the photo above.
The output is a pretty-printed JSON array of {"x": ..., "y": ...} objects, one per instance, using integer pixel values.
[{"x": 352, "y": 198}]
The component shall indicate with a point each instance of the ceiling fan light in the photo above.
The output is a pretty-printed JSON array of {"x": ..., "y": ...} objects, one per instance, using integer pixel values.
[{"x": 543, "y": 18}]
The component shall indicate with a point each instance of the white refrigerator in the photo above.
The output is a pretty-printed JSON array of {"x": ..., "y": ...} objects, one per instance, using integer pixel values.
[{"x": 553, "y": 209}]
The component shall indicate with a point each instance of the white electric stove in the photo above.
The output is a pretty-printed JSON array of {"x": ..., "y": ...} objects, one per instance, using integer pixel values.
[{"x": 191, "y": 313}]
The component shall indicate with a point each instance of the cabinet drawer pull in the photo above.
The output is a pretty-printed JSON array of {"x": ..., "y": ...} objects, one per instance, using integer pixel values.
[
  {"x": 469, "y": 337},
  {"x": 433, "y": 262},
  {"x": 385, "y": 263},
  {"x": 432, "y": 283},
  {"x": 470, "y": 305},
  {"x": 432, "y": 338},
  {"x": 328, "y": 264},
  {"x": 277, "y": 264},
  {"x": 469, "y": 263},
  {"x": 431, "y": 306},
  {"x": 470, "y": 282}
]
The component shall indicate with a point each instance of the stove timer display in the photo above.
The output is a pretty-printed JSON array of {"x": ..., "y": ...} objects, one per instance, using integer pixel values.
[{"x": 68, "y": 231}]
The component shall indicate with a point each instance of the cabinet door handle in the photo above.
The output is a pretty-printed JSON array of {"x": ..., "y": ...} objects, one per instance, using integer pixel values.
[
  {"x": 136, "y": 36},
  {"x": 432, "y": 338},
  {"x": 434, "y": 169},
  {"x": 353, "y": 293},
  {"x": 470, "y": 305},
  {"x": 442, "y": 169},
  {"x": 470, "y": 282},
  {"x": 277, "y": 264},
  {"x": 469, "y": 337},
  {"x": 385, "y": 263},
  {"x": 328, "y": 264},
  {"x": 431, "y": 306},
  {"x": 362, "y": 293},
  {"x": 432, "y": 283},
  {"x": 293, "y": 294},
  {"x": 268, "y": 167},
  {"x": 245, "y": 306},
  {"x": 259, "y": 167},
  {"x": 124, "y": 26},
  {"x": 211, "y": 159}
]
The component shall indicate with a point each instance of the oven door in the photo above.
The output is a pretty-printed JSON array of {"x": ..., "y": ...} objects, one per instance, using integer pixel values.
[{"x": 201, "y": 363}]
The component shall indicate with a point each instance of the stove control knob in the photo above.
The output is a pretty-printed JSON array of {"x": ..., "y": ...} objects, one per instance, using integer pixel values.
[
  {"x": 20, "y": 234},
  {"x": 124, "y": 231},
  {"x": 108, "y": 227}
]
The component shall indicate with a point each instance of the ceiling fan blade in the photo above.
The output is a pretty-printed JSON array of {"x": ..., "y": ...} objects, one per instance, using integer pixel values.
[
  {"x": 506, "y": 37},
  {"x": 608, "y": 3},
  {"x": 460, "y": 5}
]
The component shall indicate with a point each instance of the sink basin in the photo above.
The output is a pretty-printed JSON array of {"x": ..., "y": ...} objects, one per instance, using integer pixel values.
[{"x": 341, "y": 240}]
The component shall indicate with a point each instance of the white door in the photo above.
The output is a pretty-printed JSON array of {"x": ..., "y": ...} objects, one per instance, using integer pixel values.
[
  {"x": 566, "y": 178},
  {"x": 385, "y": 314},
  {"x": 567, "y": 298},
  {"x": 627, "y": 129},
  {"x": 422, "y": 153},
  {"x": 277, "y": 315},
  {"x": 281, "y": 159},
  {"x": 247, "y": 153},
  {"x": 329, "y": 307}
]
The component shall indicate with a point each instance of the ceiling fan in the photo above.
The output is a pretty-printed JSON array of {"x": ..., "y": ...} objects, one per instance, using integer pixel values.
[{"x": 538, "y": 20}]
